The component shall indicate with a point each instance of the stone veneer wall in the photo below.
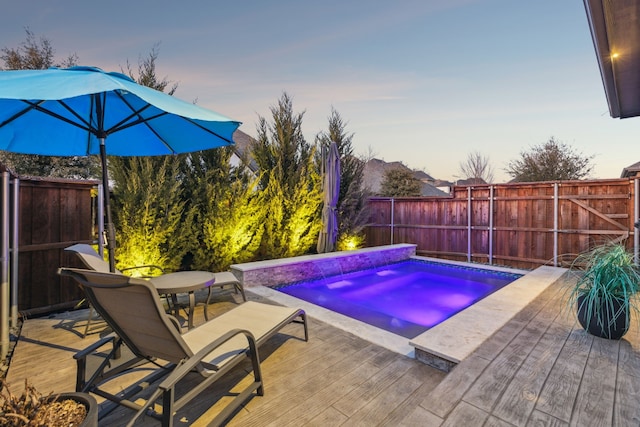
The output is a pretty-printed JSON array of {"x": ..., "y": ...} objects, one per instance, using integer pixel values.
[{"x": 309, "y": 267}]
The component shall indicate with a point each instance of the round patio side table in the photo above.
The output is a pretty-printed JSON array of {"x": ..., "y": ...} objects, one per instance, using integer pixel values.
[{"x": 184, "y": 282}]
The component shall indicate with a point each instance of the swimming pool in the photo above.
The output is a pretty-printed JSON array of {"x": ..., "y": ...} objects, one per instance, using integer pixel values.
[{"x": 406, "y": 298}]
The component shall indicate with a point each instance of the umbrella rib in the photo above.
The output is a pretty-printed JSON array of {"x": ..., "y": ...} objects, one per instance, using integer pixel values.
[
  {"x": 38, "y": 107},
  {"x": 147, "y": 120},
  {"x": 21, "y": 113},
  {"x": 205, "y": 129},
  {"x": 142, "y": 120}
]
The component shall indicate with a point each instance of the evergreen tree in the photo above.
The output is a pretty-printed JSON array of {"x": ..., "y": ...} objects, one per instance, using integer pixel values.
[
  {"x": 146, "y": 73},
  {"x": 290, "y": 182},
  {"x": 152, "y": 223},
  {"x": 400, "y": 182},
  {"x": 232, "y": 226},
  {"x": 227, "y": 212},
  {"x": 148, "y": 212}
]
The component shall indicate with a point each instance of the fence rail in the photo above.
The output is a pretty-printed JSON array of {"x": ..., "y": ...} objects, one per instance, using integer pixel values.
[{"x": 521, "y": 225}]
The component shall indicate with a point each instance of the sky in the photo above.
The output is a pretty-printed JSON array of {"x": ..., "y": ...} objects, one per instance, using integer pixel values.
[{"x": 423, "y": 82}]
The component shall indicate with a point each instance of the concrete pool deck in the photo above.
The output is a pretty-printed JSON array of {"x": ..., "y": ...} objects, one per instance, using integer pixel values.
[{"x": 450, "y": 342}]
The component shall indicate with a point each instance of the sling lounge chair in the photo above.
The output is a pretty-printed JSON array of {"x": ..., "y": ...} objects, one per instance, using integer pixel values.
[
  {"x": 92, "y": 260},
  {"x": 132, "y": 308}
]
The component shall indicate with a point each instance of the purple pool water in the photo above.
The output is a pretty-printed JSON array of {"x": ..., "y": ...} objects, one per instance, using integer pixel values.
[{"x": 405, "y": 298}]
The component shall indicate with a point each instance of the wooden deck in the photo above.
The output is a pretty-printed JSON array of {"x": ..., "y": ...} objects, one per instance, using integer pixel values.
[{"x": 539, "y": 369}]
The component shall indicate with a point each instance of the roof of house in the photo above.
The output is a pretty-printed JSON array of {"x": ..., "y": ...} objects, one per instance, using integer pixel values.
[
  {"x": 616, "y": 39},
  {"x": 375, "y": 169},
  {"x": 431, "y": 191},
  {"x": 423, "y": 176},
  {"x": 442, "y": 183},
  {"x": 630, "y": 171},
  {"x": 471, "y": 181}
]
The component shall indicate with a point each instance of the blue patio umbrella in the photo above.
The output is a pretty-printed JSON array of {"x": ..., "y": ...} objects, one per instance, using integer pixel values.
[
  {"x": 83, "y": 111},
  {"x": 331, "y": 192}
]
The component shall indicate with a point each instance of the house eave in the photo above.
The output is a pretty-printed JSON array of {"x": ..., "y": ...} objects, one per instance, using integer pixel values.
[{"x": 615, "y": 31}]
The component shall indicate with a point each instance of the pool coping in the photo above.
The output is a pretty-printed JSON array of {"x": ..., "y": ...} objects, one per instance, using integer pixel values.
[
  {"x": 447, "y": 344},
  {"x": 450, "y": 342}
]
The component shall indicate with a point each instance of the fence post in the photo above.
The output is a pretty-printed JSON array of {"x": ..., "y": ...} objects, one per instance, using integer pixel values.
[
  {"x": 555, "y": 224},
  {"x": 4, "y": 269},
  {"x": 469, "y": 224},
  {"x": 636, "y": 214},
  {"x": 392, "y": 220},
  {"x": 491, "y": 225},
  {"x": 14, "y": 248}
]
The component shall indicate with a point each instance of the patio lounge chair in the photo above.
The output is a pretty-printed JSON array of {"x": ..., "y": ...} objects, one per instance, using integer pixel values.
[
  {"x": 92, "y": 260},
  {"x": 133, "y": 310}
]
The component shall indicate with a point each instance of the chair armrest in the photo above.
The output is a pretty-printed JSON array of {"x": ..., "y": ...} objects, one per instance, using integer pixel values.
[
  {"x": 82, "y": 354},
  {"x": 175, "y": 322}
]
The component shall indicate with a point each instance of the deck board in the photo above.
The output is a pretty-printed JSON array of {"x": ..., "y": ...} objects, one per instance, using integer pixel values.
[
  {"x": 538, "y": 418},
  {"x": 561, "y": 388},
  {"x": 465, "y": 414},
  {"x": 541, "y": 368},
  {"x": 379, "y": 409},
  {"x": 598, "y": 384},
  {"x": 493, "y": 382},
  {"x": 446, "y": 395},
  {"x": 519, "y": 398}
]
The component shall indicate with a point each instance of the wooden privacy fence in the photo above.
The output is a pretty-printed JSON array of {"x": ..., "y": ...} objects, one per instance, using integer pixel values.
[
  {"x": 522, "y": 225},
  {"x": 52, "y": 216},
  {"x": 40, "y": 218}
]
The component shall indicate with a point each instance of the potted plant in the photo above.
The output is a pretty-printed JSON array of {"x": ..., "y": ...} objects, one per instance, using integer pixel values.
[
  {"x": 32, "y": 408},
  {"x": 606, "y": 290}
]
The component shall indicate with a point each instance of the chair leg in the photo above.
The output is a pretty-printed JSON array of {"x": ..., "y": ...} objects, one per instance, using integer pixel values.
[
  {"x": 206, "y": 304},
  {"x": 239, "y": 287},
  {"x": 86, "y": 327},
  {"x": 92, "y": 315}
]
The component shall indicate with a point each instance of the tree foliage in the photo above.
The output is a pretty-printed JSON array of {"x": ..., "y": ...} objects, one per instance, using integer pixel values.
[
  {"x": 352, "y": 208},
  {"x": 148, "y": 212},
  {"x": 227, "y": 212},
  {"x": 400, "y": 182},
  {"x": 290, "y": 182},
  {"x": 152, "y": 223},
  {"x": 552, "y": 161},
  {"x": 34, "y": 54},
  {"x": 476, "y": 166},
  {"x": 39, "y": 54},
  {"x": 197, "y": 210},
  {"x": 281, "y": 149},
  {"x": 146, "y": 72},
  {"x": 233, "y": 225}
]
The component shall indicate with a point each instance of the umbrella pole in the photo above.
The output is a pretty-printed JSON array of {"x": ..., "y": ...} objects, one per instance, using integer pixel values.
[{"x": 111, "y": 232}]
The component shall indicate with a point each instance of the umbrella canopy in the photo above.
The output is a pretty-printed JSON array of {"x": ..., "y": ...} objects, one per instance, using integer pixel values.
[
  {"x": 331, "y": 192},
  {"x": 82, "y": 111}
]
